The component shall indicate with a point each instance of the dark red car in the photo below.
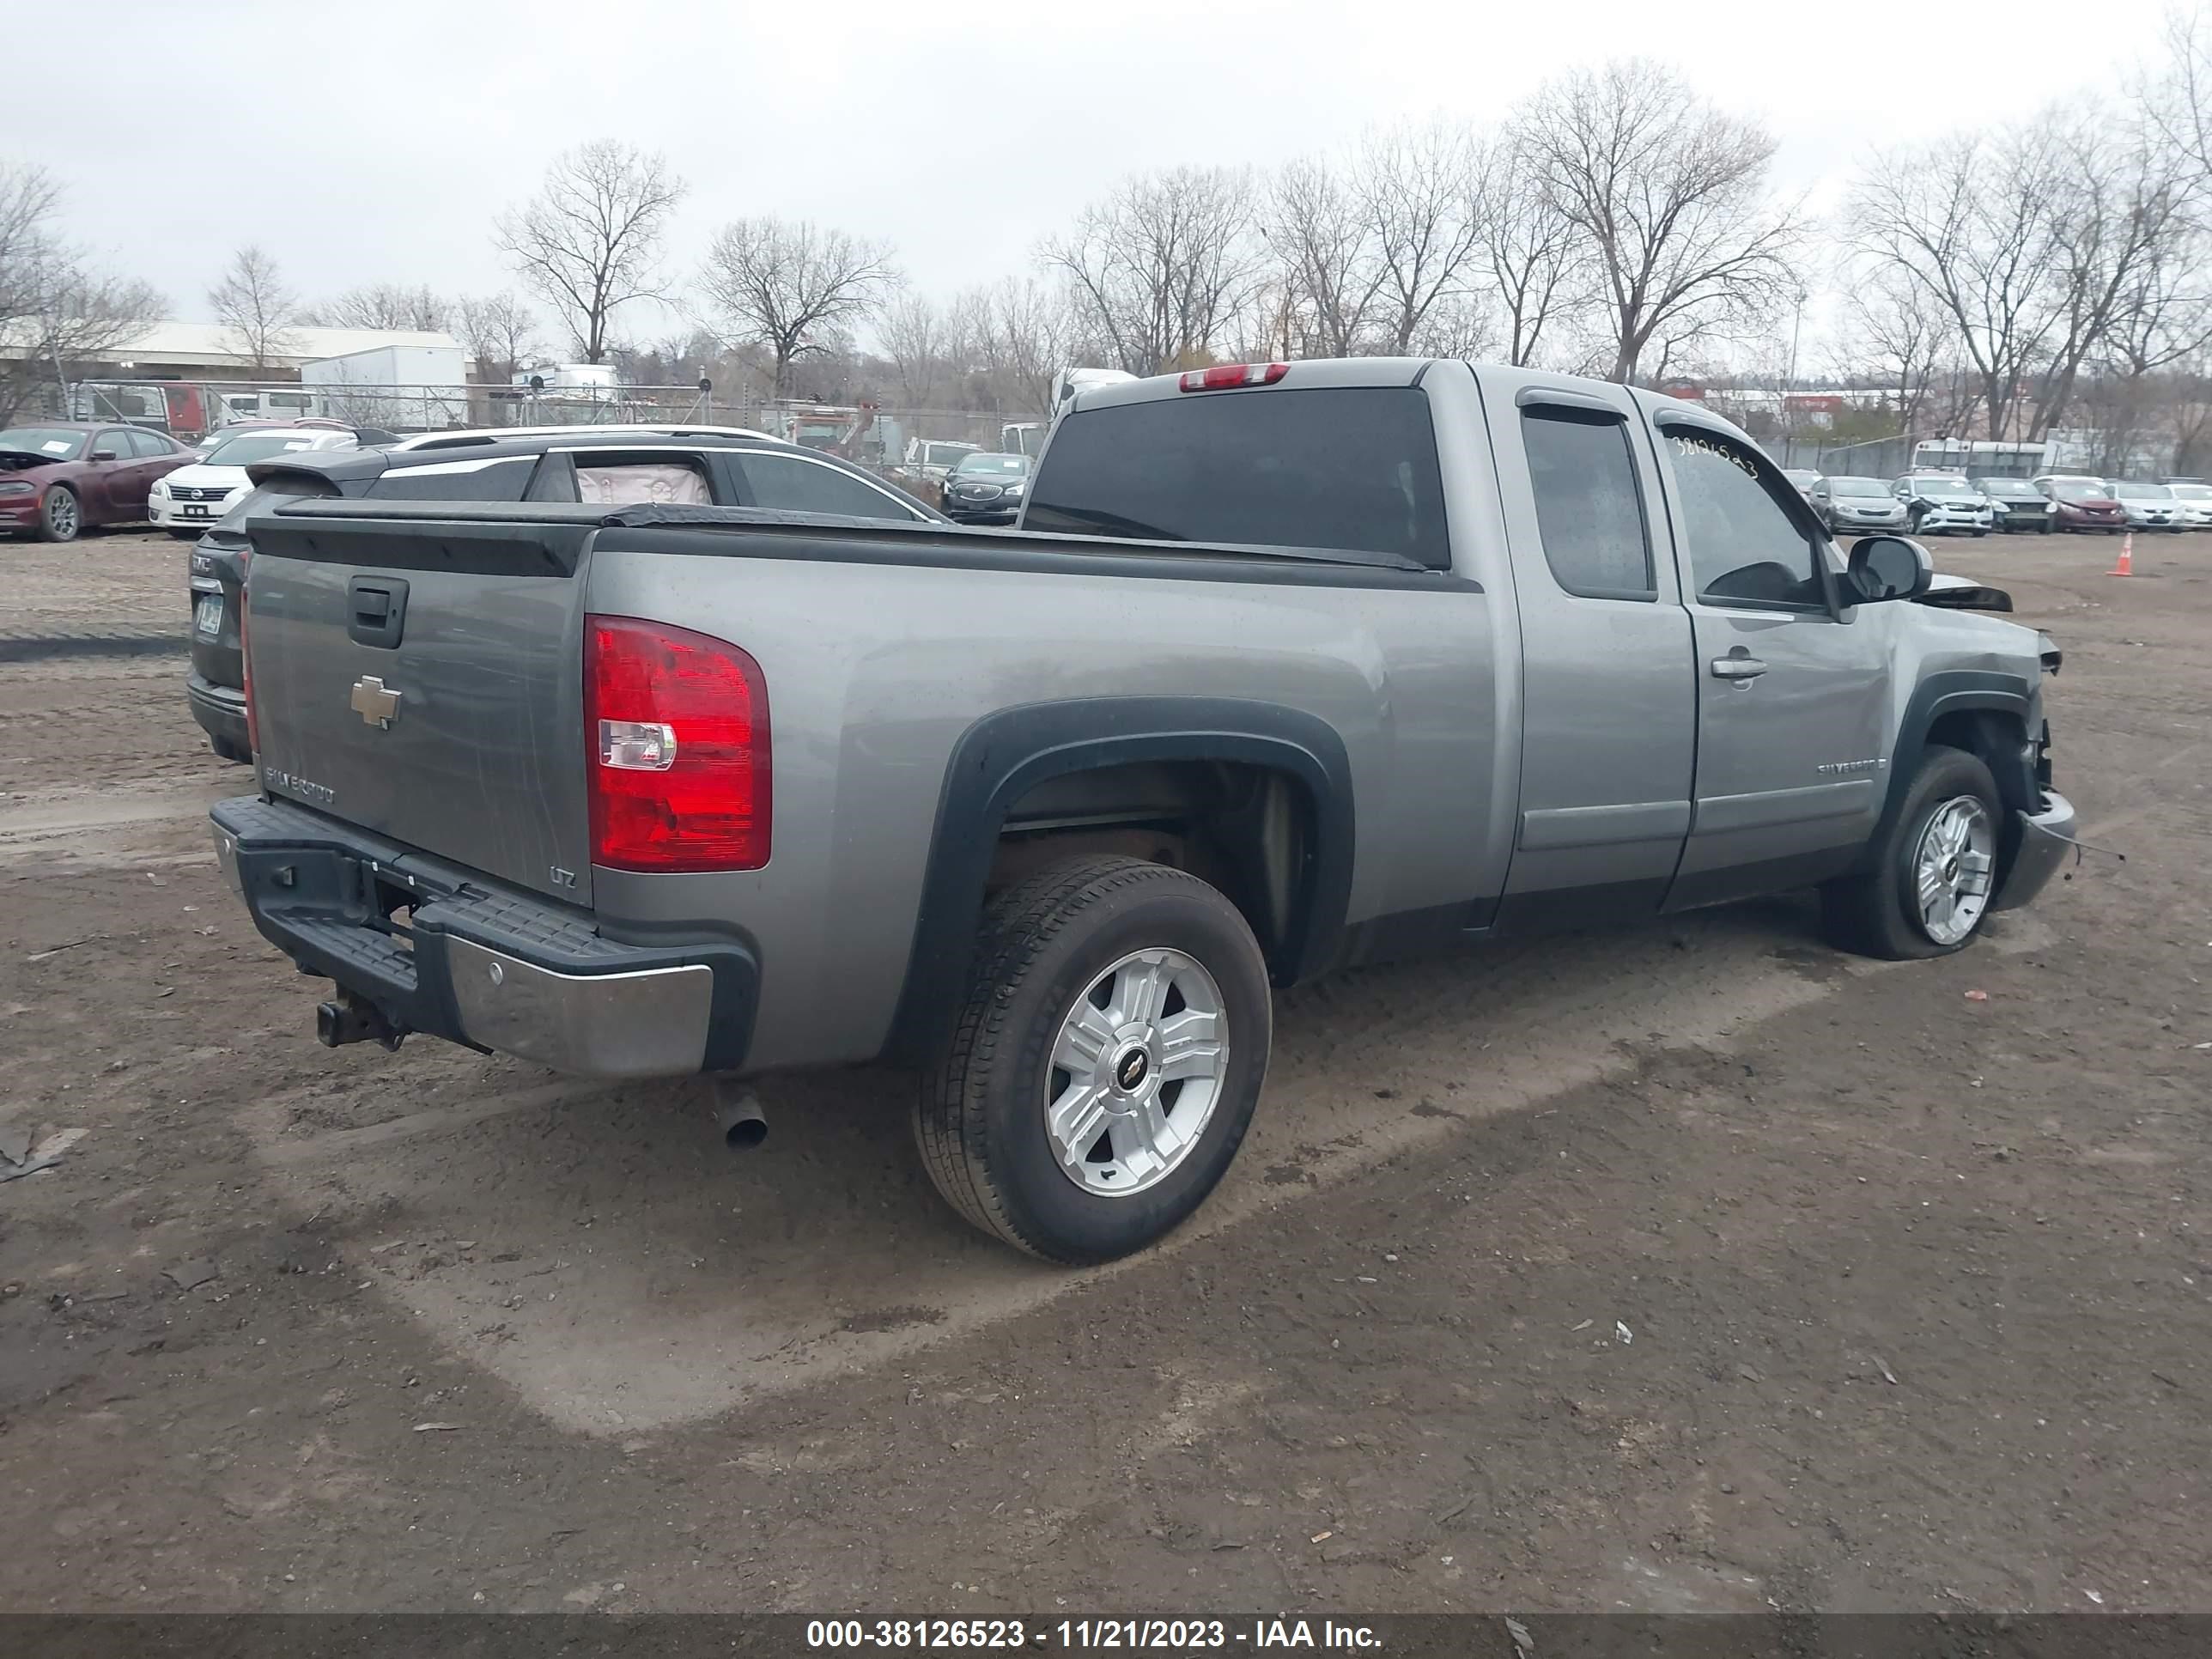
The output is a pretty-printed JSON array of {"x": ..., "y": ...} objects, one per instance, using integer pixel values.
[
  {"x": 58, "y": 477},
  {"x": 2083, "y": 503}
]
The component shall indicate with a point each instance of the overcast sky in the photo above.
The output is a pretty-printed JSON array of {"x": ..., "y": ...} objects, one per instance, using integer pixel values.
[{"x": 375, "y": 144}]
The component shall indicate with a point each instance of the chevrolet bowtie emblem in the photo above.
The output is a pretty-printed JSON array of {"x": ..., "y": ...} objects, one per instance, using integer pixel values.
[{"x": 376, "y": 705}]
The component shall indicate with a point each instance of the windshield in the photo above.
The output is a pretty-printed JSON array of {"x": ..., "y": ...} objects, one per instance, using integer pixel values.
[
  {"x": 2008, "y": 490},
  {"x": 2192, "y": 492},
  {"x": 256, "y": 446},
  {"x": 2142, "y": 492},
  {"x": 977, "y": 466},
  {"x": 1857, "y": 487},
  {"x": 56, "y": 443},
  {"x": 2080, "y": 490}
]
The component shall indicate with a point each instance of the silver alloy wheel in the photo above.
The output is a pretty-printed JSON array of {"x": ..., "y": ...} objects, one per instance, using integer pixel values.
[
  {"x": 61, "y": 513},
  {"x": 1952, "y": 868},
  {"x": 1138, "y": 1065}
]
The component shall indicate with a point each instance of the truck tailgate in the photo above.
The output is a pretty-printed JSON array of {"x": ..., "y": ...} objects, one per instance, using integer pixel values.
[{"x": 422, "y": 678}]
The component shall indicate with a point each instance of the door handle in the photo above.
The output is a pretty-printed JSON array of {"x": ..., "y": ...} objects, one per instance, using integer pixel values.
[{"x": 1739, "y": 664}]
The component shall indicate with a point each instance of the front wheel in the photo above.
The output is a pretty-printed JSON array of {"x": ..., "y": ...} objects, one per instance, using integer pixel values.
[
  {"x": 60, "y": 517},
  {"x": 1105, "y": 1062},
  {"x": 1932, "y": 874}
]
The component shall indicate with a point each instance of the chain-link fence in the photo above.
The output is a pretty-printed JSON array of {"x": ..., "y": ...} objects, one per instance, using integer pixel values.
[{"x": 892, "y": 439}]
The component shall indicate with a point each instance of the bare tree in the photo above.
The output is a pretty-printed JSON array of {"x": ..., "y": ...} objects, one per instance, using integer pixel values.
[
  {"x": 792, "y": 285},
  {"x": 589, "y": 242},
  {"x": 500, "y": 332},
  {"x": 1320, "y": 235},
  {"x": 1162, "y": 267},
  {"x": 1417, "y": 184},
  {"x": 2179, "y": 100},
  {"x": 1527, "y": 246},
  {"x": 1669, "y": 197},
  {"x": 1903, "y": 334},
  {"x": 2121, "y": 214},
  {"x": 253, "y": 304},
  {"x": 28, "y": 197},
  {"x": 1028, "y": 337},
  {"x": 916, "y": 334},
  {"x": 62, "y": 313},
  {"x": 420, "y": 309},
  {"x": 1972, "y": 220}
]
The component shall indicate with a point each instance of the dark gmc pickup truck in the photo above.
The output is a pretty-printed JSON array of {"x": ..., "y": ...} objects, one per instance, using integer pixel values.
[{"x": 1287, "y": 668}]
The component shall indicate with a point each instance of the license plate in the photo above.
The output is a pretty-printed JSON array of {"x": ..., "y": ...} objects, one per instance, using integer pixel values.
[
  {"x": 207, "y": 613},
  {"x": 189, "y": 511}
]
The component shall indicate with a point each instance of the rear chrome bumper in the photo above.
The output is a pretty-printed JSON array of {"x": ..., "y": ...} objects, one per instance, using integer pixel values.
[
  {"x": 486, "y": 967},
  {"x": 2045, "y": 838}
]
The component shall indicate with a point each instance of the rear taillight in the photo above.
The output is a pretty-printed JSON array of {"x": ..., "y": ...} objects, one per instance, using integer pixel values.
[
  {"x": 246, "y": 664},
  {"x": 677, "y": 742},
  {"x": 1222, "y": 376}
]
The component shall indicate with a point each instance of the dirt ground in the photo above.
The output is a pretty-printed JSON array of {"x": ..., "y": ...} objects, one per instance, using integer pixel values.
[{"x": 1689, "y": 1267}]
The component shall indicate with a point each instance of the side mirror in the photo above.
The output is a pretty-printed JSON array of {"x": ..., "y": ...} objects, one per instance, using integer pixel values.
[
  {"x": 103, "y": 455},
  {"x": 1887, "y": 567}
]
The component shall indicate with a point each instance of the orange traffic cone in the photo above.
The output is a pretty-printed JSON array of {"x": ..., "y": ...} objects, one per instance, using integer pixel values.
[{"x": 2126, "y": 567}]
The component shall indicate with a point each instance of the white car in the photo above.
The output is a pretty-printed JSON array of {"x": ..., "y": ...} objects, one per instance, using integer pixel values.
[
  {"x": 189, "y": 500},
  {"x": 2149, "y": 506},
  {"x": 2195, "y": 500}
]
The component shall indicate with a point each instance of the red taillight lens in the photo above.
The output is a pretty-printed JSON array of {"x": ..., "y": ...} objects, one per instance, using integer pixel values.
[
  {"x": 676, "y": 738},
  {"x": 1222, "y": 376},
  {"x": 246, "y": 666}
]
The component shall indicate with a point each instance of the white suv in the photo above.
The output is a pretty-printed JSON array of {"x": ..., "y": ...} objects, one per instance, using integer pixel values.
[
  {"x": 1943, "y": 500},
  {"x": 186, "y": 502}
]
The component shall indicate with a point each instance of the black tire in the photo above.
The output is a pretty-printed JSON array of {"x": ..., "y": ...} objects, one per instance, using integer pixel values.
[
  {"x": 184, "y": 535},
  {"x": 980, "y": 1117},
  {"x": 1873, "y": 914},
  {"x": 1979, "y": 533},
  {"x": 61, "y": 516},
  {"x": 230, "y": 751}
]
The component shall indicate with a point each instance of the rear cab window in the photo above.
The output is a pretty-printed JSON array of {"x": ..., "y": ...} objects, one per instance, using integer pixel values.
[{"x": 1345, "y": 467}]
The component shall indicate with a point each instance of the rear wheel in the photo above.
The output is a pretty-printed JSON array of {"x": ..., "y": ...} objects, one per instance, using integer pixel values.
[
  {"x": 1106, "y": 1060},
  {"x": 1928, "y": 886},
  {"x": 60, "y": 517},
  {"x": 229, "y": 751}
]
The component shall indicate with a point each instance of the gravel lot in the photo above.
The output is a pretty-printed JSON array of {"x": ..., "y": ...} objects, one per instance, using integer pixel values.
[{"x": 1692, "y": 1266}]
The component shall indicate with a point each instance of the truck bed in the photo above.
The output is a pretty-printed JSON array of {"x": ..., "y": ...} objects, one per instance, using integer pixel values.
[{"x": 892, "y": 655}]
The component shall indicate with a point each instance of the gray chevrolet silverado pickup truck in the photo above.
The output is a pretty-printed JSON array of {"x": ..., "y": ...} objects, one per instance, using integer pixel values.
[{"x": 1286, "y": 668}]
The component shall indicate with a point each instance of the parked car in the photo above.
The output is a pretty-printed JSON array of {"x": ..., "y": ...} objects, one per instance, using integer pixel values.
[
  {"x": 2195, "y": 500},
  {"x": 58, "y": 477},
  {"x": 1045, "y": 816},
  {"x": 1942, "y": 502},
  {"x": 2020, "y": 508},
  {"x": 2149, "y": 506},
  {"x": 929, "y": 462},
  {"x": 1849, "y": 503},
  {"x": 611, "y": 466},
  {"x": 189, "y": 500},
  {"x": 1804, "y": 478},
  {"x": 986, "y": 489},
  {"x": 2083, "y": 503}
]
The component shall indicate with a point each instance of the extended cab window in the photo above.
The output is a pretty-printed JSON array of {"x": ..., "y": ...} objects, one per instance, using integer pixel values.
[
  {"x": 1746, "y": 546},
  {"x": 1341, "y": 466},
  {"x": 1589, "y": 511}
]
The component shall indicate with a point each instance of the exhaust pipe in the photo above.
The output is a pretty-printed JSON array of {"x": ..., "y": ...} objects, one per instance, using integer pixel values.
[{"x": 737, "y": 1115}]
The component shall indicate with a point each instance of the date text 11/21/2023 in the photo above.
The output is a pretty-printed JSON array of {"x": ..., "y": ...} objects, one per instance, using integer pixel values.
[{"x": 1173, "y": 1635}]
